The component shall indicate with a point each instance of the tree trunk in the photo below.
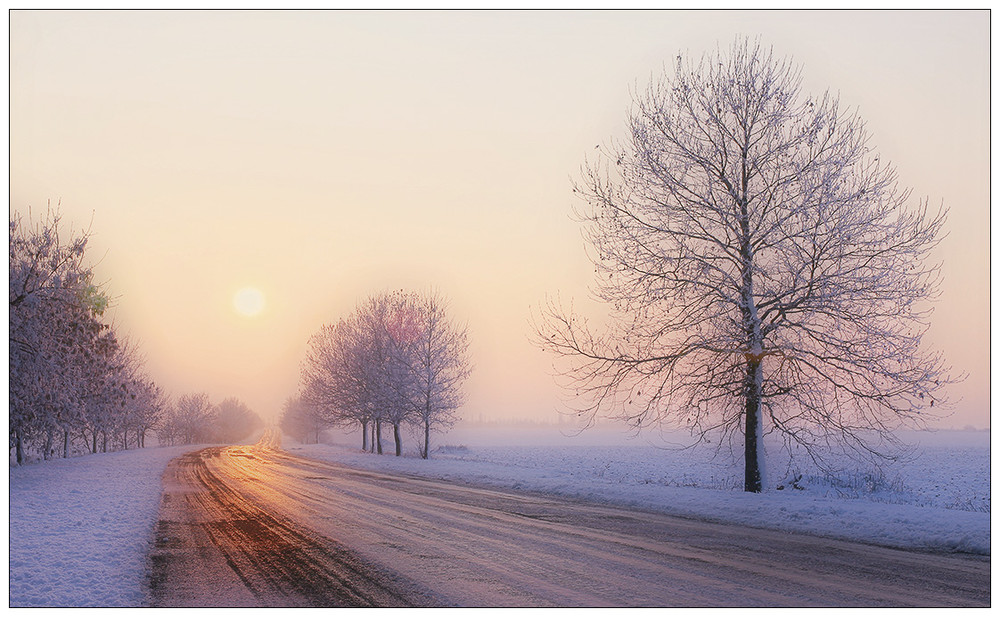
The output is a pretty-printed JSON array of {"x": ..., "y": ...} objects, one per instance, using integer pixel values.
[
  {"x": 364, "y": 435},
  {"x": 65, "y": 443},
  {"x": 426, "y": 453},
  {"x": 397, "y": 439},
  {"x": 47, "y": 454},
  {"x": 18, "y": 446},
  {"x": 104, "y": 445},
  {"x": 93, "y": 449},
  {"x": 378, "y": 435},
  {"x": 753, "y": 449}
]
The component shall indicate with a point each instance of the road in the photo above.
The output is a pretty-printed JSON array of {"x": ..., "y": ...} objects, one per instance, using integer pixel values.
[{"x": 256, "y": 526}]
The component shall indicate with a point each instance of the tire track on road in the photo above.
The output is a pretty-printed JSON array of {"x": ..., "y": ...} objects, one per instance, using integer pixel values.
[{"x": 214, "y": 547}]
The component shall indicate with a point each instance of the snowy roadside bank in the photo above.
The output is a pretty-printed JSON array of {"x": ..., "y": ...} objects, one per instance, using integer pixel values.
[
  {"x": 80, "y": 528},
  {"x": 607, "y": 475}
]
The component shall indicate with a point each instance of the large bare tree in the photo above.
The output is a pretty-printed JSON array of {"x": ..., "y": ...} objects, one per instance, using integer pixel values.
[{"x": 765, "y": 271}]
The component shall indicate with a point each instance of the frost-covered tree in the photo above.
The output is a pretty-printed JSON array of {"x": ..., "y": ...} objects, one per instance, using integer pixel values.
[
  {"x": 396, "y": 359},
  {"x": 291, "y": 422},
  {"x": 73, "y": 382},
  {"x": 151, "y": 405},
  {"x": 387, "y": 329},
  {"x": 167, "y": 429},
  {"x": 333, "y": 385},
  {"x": 57, "y": 342},
  {"x": 48, "y": 282},
  {"x": 439, "y": 362},
  {"x": 193, "y": 419},
  {"x": 45, "y": 265},
  {"x": 357, "y": 372},
  {"x": 129, "y": 395},
  {"x": 105, "y": 398},
  {"x": 765, "y": 271}
]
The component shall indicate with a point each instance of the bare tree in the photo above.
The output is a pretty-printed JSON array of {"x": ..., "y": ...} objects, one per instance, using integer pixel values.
[
  {"x": 333, "y": 379},
  {"x": 765, "y": 271},
  {"x": 155, "y": 403},
  {"x": 194, "y": 416},
  {"x": 379, "y": 364},
  {"x": 439, "y": 364},
  {"x": 167, "y": 428},
  {"x": 302, "y": 420},
  {"x": 396, "y": 359}
]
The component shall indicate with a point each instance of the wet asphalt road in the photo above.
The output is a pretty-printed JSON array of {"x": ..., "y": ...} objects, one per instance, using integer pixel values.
[{"x": 256, "y": 526}]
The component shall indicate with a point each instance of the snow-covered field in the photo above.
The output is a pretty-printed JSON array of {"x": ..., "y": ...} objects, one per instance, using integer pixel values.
[
  {"x": 938, "y": 501},
  {"x": 80, "y": 528}
]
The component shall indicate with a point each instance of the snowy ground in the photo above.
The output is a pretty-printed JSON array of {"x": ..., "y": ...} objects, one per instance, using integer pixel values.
[{"x": 80, "y": 528}]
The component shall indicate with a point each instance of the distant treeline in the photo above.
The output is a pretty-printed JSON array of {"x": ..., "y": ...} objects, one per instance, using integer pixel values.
[{"x": 194, "y": 419}]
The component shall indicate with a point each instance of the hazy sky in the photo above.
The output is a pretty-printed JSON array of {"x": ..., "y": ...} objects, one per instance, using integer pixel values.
[{"x": 323, "y": 156}]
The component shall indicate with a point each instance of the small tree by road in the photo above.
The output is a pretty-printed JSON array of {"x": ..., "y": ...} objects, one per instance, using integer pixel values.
[{"x": 766, "y": 272}]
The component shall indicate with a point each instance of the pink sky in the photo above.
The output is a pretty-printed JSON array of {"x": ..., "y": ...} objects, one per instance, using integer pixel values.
[{"x": 323, "y": 156}]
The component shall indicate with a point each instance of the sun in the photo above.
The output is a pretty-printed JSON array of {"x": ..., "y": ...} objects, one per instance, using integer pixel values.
[{"x": 248, "y": 301}]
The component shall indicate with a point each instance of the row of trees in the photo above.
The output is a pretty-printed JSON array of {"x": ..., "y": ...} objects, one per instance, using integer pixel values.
[
  {"x": 73, "y": 381},
  {"x": 194, "y": 419},
  {"x": 397, "y": 360}
]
